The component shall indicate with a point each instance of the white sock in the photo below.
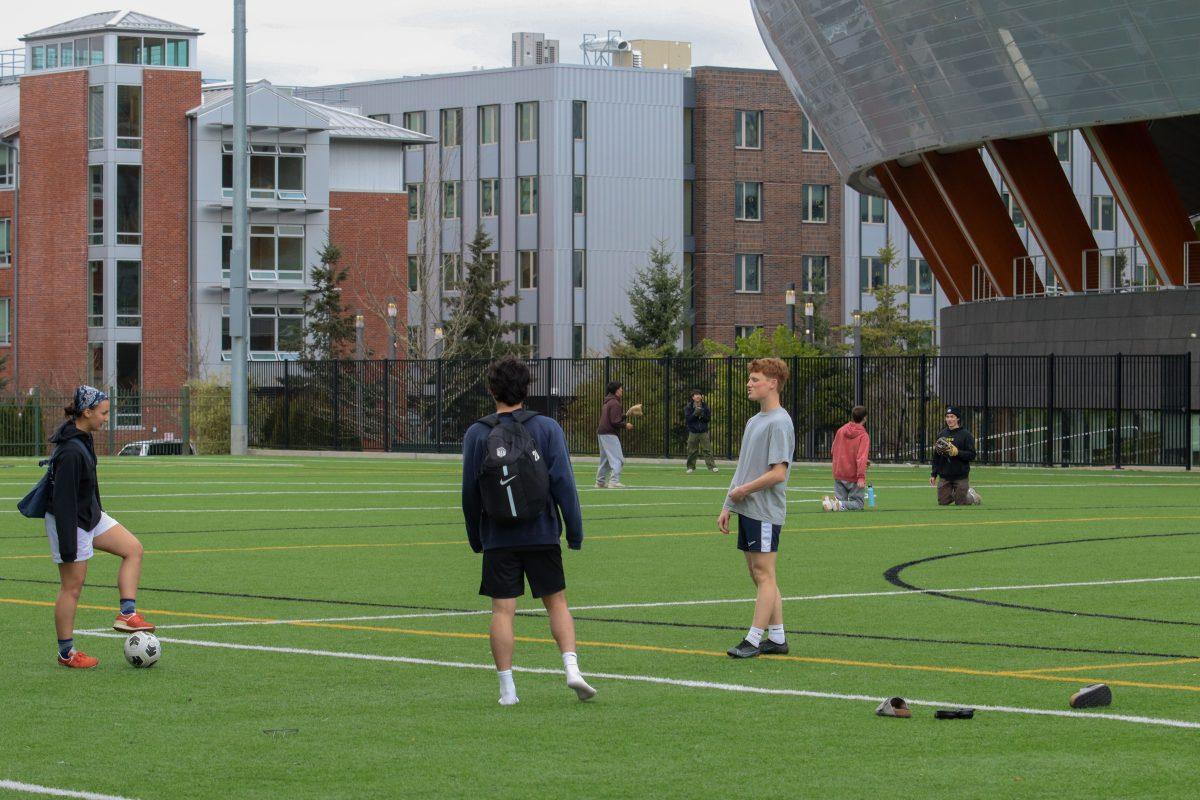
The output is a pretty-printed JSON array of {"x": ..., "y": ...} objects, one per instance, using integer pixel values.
[
  {"x": 775, "y": 634},
  {"x": 575, "y": 679},
  {"x": 754, "y": 637},
  {"x": 508, "y": 689}
]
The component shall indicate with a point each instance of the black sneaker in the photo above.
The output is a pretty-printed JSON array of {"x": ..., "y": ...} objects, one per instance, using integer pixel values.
[
  {"x": 769, "y": 648},
  {"x": 1094, "y": 696},
  {"x": 743, "y": 650}
]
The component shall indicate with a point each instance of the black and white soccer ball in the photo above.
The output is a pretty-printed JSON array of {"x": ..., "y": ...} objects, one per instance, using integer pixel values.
[{"x": 142, "y": 649}]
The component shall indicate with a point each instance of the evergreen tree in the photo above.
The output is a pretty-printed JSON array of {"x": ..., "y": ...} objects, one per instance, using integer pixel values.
[
  {"x": 473, "y": 326},
  {"x": 329, "y": 329},
  {"x": 886, "y": 329},
  {"x": 658, "y": 302}
]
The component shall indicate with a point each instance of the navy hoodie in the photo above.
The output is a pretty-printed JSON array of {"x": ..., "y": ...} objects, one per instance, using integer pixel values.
[
  {"x": 484, "y": 533},
  {"x": 76, "y": 499}
]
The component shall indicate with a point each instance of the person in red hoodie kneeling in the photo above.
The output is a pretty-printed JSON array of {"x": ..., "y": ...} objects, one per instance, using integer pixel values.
[{"x": 851, "y": 447}]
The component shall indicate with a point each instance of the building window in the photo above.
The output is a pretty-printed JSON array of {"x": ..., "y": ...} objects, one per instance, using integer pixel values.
[
  {"x": 51, "y": 56},
  {"x": 416, "y": 200},
  {"x": 527, "y": 338},
  {"x": 5, "y": 242},
  {"x": 920, "y": 276},
  {"x": 815, "y": 277},
  {"x": 96, "y": 363},
  {"x": 451, "y": 127},
  {"x": 491, "y": 260},
  {"x": 177, "y": 53},
  {"x": 489, "y": 124},
  {"x": 689, "y": 136},
  {"x": 276, "y": 171},
  {"x": 129, "y": 294},
  {"x": 1061, "y": 140},
  {"x": 744, "y": 331},
  {"x": 1014, "y": 210},
  {"x": 489, "y": 197},
  {"x": 96, "y": 294},
  {"x": 527, "y": 189},
  {"x": 872, "y": 209},
  {"x": 578, "y": 194},
  {"x": 872, "y": 274},
  {"x": 276, "y": 332},
  {"x": 451, "y": 199},
  {"x": 527, "y": 269},
  {"x": 1102, "y": 212},
  {"x": 129, "y": 383},
  {"x": 527, "y": 122},
  {"x": 385, "y": 118},
  {"x": 89, "y": 50},
  {"x": 812, "y": 142},
  {"x": 129, "y": 117},
  {"x": 415, "y": 122},
  {"x": 689, "y": 280},
  {"x": 747, "y": 130},
  {"x": 276, "y": 252},
  {"x": 96, "y": 182},
  {"x": 414, "y": 273},
  {"x": 578, "y": 341},
  {"x": 688, "y": 208},
  {"x": 579, "y": 120},
  {"x": 38, "y": 59},
  {"x": 8, "y": 166},
  {"x": 152, "y": 51},
  {"x": 451, "y": 271},
  {"x": 129, "y": 204},
  {"x": 747, "y": 201},
  {"x": 578, "y": 268},
  {"x": 747, "y": 273},
  {"x": 5, "y": 335},
  {"x": 95, "y": 117},
  {"x": 814, "y": 198}
]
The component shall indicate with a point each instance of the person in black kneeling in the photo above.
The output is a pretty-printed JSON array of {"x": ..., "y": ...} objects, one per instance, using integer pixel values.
[{"x": 952, "y": 456}]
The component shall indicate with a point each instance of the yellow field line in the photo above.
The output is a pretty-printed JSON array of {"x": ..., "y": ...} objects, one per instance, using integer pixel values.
[
  {"x": 1160, "y": 663},
  {"x": 647, "y": 648}
]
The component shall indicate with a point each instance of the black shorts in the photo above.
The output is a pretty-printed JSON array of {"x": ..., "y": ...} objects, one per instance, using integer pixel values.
[{"x": 506, "y": 568}]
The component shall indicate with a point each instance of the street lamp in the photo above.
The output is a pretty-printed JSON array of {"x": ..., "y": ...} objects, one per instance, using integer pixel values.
[
  {"x": 439, "y": 337},
  {"x": 789, "y": 297},
  {"x": 392, "y": 312},
  {"x": 809, "y": 331},
  {"x": 857, "y": 316},
  {"x": 359, "y": 322}
]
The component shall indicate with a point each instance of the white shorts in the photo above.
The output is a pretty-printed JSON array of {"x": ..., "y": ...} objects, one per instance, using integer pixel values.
[{"x": 83, "y": 539}]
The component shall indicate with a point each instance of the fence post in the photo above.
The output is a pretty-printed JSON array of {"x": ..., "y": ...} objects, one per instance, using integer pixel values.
[
  {"x": 287, "y": 406},
  {"x": 186, "y": 420},
  {"x": 729, "y": 408},
  {"x": 987, "y": 425},
  {"x": 1187, "y": 409},
  {"x": 387, "y": 406},
  {"x": 337, "y": 406},
  {"x": 858, "y": 381},
  {"x": 437, "y": 409},
  {"x": 1118, "y": 401},
  {"x": 924, "y": 422},
  {"x": 1049, "y": 455},
  {"x": 607, "y": 372},
  {"x": 668, "y": 409}
]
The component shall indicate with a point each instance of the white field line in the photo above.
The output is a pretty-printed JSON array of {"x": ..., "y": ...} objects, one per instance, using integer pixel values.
[
  {"x": 723, "y": 601},
  {"x": 30, "y": 788},
  {"x": 689, "y": 684}
]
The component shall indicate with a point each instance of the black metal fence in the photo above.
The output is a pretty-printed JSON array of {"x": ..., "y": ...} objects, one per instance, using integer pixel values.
[
  {"x": 27, "y": 422},
  {"x": 1070, "y": 410}
]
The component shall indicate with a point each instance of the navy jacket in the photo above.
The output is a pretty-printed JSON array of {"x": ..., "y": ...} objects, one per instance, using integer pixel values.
[
  {"x": 697, "y": 418},
  {"x": 484, "y": 533},
  {"x": 959, "y": 467},
  {"x": 76, "y": 498}
]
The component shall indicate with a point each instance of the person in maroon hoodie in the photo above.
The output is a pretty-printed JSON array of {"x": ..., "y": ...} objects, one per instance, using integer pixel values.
[{"x": 851, "y": 447}]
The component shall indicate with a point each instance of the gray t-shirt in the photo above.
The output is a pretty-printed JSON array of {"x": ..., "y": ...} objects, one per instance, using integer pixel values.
[{"x": 770, "y": 438}]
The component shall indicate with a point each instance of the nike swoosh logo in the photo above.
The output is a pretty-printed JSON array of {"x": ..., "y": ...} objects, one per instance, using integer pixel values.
[{"x": 507, "y": 482}]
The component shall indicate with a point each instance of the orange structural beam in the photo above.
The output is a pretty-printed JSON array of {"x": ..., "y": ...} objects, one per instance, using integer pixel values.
[
  {"x": 1033, "y": 174},
  {"x": 967, "y": 190},
  {"x": 1141, "y": 185},
  {"x": 931, "y": 226}
]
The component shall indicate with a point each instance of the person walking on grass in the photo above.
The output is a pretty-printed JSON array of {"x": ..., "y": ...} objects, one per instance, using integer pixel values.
[
  {"x": 851, "y": 451},
  {"x": 953, "y": 453},
  {"x": 758, "y": 494},
  {"x": 517, "y": 492},
  {"x": 697, "y": 415},
  {"x": 77, "y": 526},
  {"x": 613, "y": 422}
]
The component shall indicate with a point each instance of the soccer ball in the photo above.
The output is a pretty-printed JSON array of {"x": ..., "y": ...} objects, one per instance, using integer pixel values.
[{"x": 142, "y": 650}]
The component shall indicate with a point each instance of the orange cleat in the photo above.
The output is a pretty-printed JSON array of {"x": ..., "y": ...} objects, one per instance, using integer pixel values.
[
  {"x": 78, "y": 660},
  {"x": 131, "y": 623}
]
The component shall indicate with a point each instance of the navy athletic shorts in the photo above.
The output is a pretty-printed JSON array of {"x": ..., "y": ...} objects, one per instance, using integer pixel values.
[{"x": 757, "y": 537}]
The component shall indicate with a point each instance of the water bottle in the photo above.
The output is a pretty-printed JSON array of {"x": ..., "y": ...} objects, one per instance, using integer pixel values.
[{"x": 870, "y": 495}]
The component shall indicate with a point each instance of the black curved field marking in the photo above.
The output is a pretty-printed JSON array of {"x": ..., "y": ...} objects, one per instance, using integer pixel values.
[{"x": 892, "y": 575}]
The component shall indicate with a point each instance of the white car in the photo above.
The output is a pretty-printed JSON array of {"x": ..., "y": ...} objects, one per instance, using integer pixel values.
[{"x": 156, "y": 447}]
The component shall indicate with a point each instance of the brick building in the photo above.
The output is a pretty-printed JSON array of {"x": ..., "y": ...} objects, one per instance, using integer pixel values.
[
  {"x": 115, "y": 234},
  {"x": 766, "y": 207}
]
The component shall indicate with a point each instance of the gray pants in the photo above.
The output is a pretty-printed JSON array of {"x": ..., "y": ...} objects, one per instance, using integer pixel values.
[
  {"x": 853, "y": 497},
  {"x": 699, "y": 444},
  {"x": 612, "y": 458}
]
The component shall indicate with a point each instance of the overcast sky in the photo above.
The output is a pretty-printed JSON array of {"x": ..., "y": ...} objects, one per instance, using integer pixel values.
[{"x": 309, "y": 43}]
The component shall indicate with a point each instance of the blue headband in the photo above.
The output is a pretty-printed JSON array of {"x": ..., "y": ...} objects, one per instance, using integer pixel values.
[{"x": 88, "y": 397}]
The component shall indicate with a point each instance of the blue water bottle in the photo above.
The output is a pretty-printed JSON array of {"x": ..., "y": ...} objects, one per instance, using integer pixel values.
[{"x": 870, "y": 495}]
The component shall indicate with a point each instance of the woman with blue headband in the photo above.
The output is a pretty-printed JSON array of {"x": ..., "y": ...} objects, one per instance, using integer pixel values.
[{"x": 77, "y": 525}]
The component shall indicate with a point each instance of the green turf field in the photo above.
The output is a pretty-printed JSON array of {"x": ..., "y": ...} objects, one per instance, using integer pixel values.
[{"x": 323, "y": 638}]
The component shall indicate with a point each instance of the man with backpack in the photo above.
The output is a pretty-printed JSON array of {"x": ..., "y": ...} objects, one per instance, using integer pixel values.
[{"x": 517, "y": 491}]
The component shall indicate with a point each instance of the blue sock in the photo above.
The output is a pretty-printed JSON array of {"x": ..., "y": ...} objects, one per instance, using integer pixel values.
[
  {"x": 65, "y": 646},
  {"x": 127, "y": 606}
]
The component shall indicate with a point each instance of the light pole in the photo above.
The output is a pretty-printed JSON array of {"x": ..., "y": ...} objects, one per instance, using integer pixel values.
[
  {"x": 359, "y": 322},
  {"x": 810, "y": 332},
  {"x": 789, "y": 297},
  {"x": 392, "y": 311},
  {"x": 238, "y": 293}
]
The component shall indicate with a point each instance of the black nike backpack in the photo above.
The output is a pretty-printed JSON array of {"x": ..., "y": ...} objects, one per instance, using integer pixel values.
[{"x": 514, "y": 481}]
